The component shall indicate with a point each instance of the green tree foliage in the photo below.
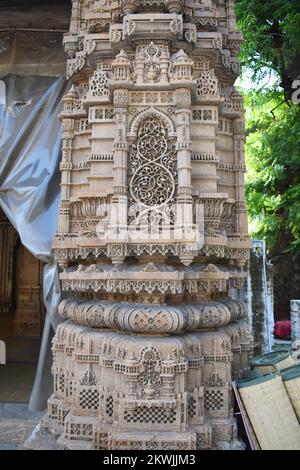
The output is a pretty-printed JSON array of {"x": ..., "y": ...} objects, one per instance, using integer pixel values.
[
  {"x": 272, "y": 37},
  {"x": 273, "y": 179},
  {"x": 272, "y": 44}
]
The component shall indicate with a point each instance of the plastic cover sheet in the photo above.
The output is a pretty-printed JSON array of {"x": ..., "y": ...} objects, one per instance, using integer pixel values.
[{"x": 30, "y": 142}]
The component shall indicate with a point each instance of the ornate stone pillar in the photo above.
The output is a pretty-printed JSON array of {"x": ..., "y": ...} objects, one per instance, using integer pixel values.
[
  {"x": 120, "y": 154},
  {"x": 231, "y": 16},
  {"x": 151, "y": 339},
  {"x": 76, "y": 16},
  {"x": 184, "y": 169},
  {"x": 239, "y": 142},
  {"x": 295, "y": 319},
  {"x": 183, "y": 115},
  {"x": 66, "y": 164}
]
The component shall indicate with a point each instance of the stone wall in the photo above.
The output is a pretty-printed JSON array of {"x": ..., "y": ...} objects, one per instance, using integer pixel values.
[
  {"x": 258, "y": 295},
  {"x": 286, "y": 275}
]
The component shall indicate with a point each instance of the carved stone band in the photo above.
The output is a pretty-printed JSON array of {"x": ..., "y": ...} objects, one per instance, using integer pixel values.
[
  {"x": 152, "y": 318},
  {"x": 150, "y": 278}
]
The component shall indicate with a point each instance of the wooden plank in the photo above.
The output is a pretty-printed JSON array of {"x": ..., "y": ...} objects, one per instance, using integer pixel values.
[{"x": 248, "y": 427}]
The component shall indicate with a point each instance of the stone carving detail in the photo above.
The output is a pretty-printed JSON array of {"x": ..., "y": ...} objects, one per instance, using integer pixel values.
[
  {"x": 176, "y": 25},
  {"x": 89, "y": 377},
  {"x": 149, "y": 376},
  {"x": 152, "y": 55},
  {"x": 207, "y": 84},
  {"x": 129, "y": 317},
  {"x": 152, "y": 162},
  {"x": 115, "y": 33},
  {"x": 153, "y": 138},
  {"x": 128, "y": 26},
  {"x": 215, "y": 381},
  {"x": 191, "y": 34},
  {"x": 99, "y": 84}
]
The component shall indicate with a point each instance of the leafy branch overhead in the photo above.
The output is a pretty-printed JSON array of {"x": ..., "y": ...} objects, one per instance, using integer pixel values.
[
  {"x": 272, "y": 38},
  {"x": 272, "y": 46}
]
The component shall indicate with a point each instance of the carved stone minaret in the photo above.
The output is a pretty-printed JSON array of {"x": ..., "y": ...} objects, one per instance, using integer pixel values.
[{"x": 152, "y": 231}]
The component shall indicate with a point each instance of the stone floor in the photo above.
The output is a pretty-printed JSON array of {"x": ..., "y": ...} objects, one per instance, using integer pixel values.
[
  {"x": 16, "y": 380},
  {"x": 16, "y": 424},
  {"x": 17, "y": 375}
]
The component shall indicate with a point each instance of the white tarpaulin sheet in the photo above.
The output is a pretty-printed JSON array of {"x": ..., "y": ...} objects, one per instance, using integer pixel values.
[{"x": 30, "y": 142}]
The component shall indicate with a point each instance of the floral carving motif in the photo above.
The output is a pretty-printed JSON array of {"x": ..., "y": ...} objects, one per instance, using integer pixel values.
[
  {"x": 215, "y": 380},
  {"x": 89, "y": 377},
  {"x": 99, "y": 84},
  {"x": 207, "y": 84},
  {"x": 152, "y": 55},
  {"x": 153, "y": 164},
  {"x": 149, "y": 377}
]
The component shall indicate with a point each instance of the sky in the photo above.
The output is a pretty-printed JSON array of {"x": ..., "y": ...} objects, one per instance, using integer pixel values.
[{"x": 246, "y": 83}]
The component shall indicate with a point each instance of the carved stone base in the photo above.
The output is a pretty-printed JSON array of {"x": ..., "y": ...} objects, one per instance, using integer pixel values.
[
  {"x": 119, "y": 390},
  {"x": 42, "y": 439}
]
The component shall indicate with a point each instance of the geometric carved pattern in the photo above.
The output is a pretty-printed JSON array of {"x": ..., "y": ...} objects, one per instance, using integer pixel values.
[
  {"x": 109, "y": 407},
  {"x": 213, "y": 400},
  {"x": 81, "y": 429},
  {"x": 203, "y": 115},
  {"x": 104, "y": 113},
  {"x": 154, "y": 318},
  {"x": 60, "y": 382},
  {"x": 152, "y": 415},
  {"x": 192, "y": 407},
  {"x": 150, "y": 321},
  {"x": 207, "y": 84},
  {"x": 89, "y": 399},
  {"x": 99, "y": 84}
]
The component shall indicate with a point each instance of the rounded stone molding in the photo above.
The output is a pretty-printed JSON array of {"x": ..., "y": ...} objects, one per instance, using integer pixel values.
[{"x": 159, "y": 319}]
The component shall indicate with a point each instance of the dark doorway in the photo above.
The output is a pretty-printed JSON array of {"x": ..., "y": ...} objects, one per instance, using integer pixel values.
[{"x": 21, "y": 314}]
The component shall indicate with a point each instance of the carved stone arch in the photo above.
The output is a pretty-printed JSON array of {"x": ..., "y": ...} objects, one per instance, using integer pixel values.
[
  {"x": 150, "y": 351},
  {"x": 152, "y": 170},
  {"x": 141, "y": 116}
]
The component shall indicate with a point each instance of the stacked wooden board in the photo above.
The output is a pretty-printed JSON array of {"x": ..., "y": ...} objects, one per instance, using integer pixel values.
[{"x": 270, "y": 403}]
